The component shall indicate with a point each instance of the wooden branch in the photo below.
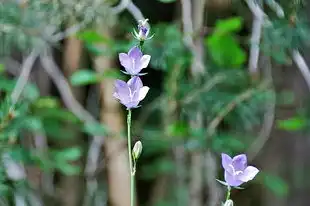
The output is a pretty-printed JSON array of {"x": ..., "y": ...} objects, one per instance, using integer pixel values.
[
  {"x": 23, "y": 77},
  {"x": 211, "y": 129}
]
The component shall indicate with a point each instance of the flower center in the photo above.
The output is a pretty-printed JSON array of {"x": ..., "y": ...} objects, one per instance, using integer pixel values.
[
  {"x": 131, "y": 94},
  {"x": 235, "y": 173}
]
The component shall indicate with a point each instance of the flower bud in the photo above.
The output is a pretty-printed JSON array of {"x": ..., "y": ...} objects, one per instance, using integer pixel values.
[
  {"x": 143, "y": 31},
  {"x": 137, "y": 150},
  {"x": 229, "y": 203}
]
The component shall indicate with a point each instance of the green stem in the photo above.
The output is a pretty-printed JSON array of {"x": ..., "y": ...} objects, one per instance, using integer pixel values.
[
  {"x": 132, "y": 175},
  {"x": 141, "y": 44},
  {"x": 228, "y": 193}
]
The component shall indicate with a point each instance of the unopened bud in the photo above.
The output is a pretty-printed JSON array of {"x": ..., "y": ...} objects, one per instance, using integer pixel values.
[
  {"x": 143, "y": 31},
  {"x": 137, "y": 150},
  {"x": 229, "y": 203}
]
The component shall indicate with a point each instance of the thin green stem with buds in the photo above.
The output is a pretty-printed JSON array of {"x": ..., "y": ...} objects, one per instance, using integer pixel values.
[{"x": 132, "y": 173}]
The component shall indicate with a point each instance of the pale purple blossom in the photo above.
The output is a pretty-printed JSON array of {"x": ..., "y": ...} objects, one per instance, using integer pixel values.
[
  {"x": 237, "y": 171},
  {"x": 131, "y": 93},
  {"x": 134, "y": 61}
]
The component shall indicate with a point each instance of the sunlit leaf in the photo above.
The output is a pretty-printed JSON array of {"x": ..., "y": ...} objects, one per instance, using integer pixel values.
[
  {"x": 225, "y": 51},
  {"x": 69, "y": 169},
  {"x": 178, "y": 129},
  {"x": 84, "y": 77},
  {"x": 292, "y": 124},
  {"x": 228, "y": 25},
  {"x": 91, "y": 36},
  {"x": 69, "y": 154},
  {"x": 46, "y": 102}
]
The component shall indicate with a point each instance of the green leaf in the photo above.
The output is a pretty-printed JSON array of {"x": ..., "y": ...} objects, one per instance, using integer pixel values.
[
  {"x": 113, "y": 74},
  {"x": 83, "y": 77},
  {"x": 33, "y": 124},
  {"x": 2, "y": 69},
  {"x": 292, "y": 124},
  {"x": 69, "y": 169},
  {"x": 91, "y": 36},
  {"x": 56, "y": 114},
  {"x": 276, "y": 184},
  {"x": 178, "y": 129},
  {"x": 46, "y": 102},
  {"x": 30, "y": 91},
  {"x": 95, "y": 129},
  {"x": 167, "y": 1},
  {"x": 63, "y": 160},
  {"x": 4, "y": 189},
  {"x": 70, "y": 154},
  {"x": 228, "y": 25},
  {"x": 225, "y": 51}
]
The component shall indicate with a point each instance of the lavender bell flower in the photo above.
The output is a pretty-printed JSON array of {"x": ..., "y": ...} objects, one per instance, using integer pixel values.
[
  {"x": 236, "y": 170},
  {"x": 131, "y": 93},
  {"x": 134, "y": 61}
]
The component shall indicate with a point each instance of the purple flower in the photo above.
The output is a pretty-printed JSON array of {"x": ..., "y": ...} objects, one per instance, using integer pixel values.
[
  {"x": 236, "y": 170},
  {"x": 143, "y": 31},
  {"x": 134, "y": 61},
  {"x": 131, "y": 93}
]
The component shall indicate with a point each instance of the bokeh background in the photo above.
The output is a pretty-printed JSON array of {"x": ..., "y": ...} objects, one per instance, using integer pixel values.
[{"x": 225, "y": 76}]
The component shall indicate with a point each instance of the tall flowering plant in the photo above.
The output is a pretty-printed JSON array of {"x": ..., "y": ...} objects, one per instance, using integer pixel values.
[{"x": 132, "y": 92}]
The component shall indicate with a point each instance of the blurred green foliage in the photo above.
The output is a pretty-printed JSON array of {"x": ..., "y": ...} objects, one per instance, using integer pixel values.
[
  {"x": 223, "y": 46},
  {"x": 37, "y": 116}
]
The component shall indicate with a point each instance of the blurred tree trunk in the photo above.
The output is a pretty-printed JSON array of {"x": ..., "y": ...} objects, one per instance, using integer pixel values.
[
  {"x": 71, "y": 186},
  {"x": 114, "y": 146},
  {"x": 286, "y": 152},
  {"x": 43, "y": 83},
  {"x": 197, "y": 69},
  {"x": 165, "y": 182}
]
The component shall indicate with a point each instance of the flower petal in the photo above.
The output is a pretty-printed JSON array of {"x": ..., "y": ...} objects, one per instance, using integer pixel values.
[
  {"x": 115, "y": 95},
  {"x": 226, "y": 163},
  {"x": 142, "y": 92},
  {"x": 122, "y": 91},
  {"x": 249, "y": 173},
  {"x": 231, "y": 180},
  {"x": 144, "y": 61},
  {"x": 135, "y": 53},
  {"x": 125, "y": 61},
  {"x": 239, "y": 162},
  {"x": 135, "y": 84},
  {"x": 132, "y": 104}
]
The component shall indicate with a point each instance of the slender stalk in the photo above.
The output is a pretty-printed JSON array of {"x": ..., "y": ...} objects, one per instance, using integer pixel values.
[
  {"x": 132, "y": 175},
  {"x": 228, "y": 193}
]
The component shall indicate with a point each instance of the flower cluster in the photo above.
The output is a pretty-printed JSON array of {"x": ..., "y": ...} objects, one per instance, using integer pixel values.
[{"x": 132, "y": 92}]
